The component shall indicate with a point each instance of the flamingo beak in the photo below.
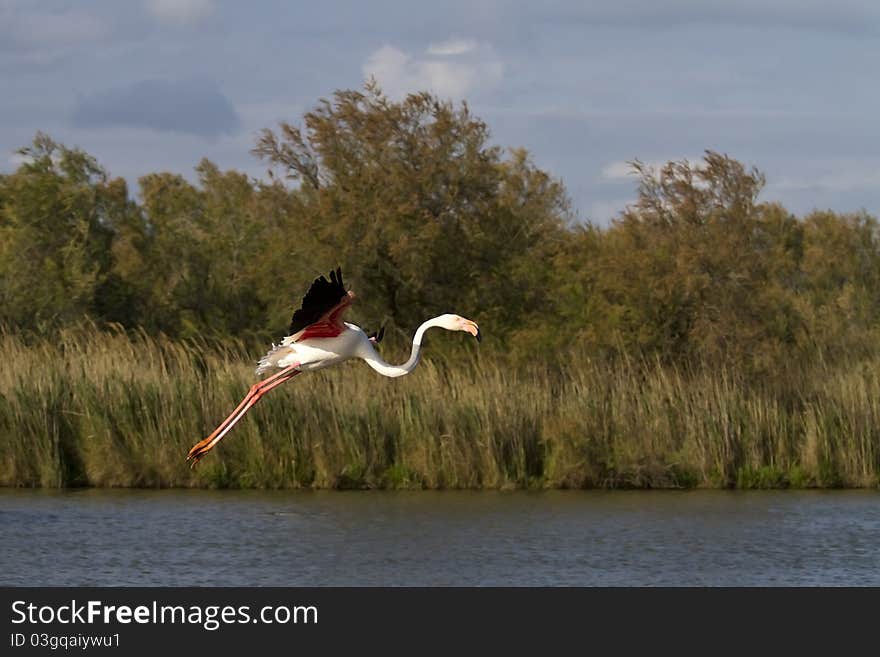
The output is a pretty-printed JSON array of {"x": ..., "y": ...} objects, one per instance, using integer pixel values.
[{"x": 473, "y": 329}]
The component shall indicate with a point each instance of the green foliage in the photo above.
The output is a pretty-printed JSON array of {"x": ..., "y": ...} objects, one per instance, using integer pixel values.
[
  {"x": 697, "y": 269},
  {"x": 58, "y": 217},
  {"x": 426, "y": 215},
  {"x": 422, "y": 211},
  {"x": 71, "y": 416},
  {"x": 202, "y": 265}
]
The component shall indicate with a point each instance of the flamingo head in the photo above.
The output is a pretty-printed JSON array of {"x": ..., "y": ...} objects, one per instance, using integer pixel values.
[{"x": 453, "y": 322}]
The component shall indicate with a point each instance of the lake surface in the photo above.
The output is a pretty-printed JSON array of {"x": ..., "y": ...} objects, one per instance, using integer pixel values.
[{"x": 298, "y": 538}]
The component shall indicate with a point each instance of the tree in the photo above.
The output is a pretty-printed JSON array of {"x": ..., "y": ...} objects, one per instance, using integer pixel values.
[
  {"x": 418, "y": 208},
  {"x": 209, "y": 257},
  {"x": 698, "y": 268},
  {"x": 841, "y": 280},
  {"x": 58, "y": 213}
]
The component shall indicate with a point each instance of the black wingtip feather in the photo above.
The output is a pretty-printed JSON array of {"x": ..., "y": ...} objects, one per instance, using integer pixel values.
[
  {"x": 378, "y": 335},
  {"x": 322, "y": 296}
]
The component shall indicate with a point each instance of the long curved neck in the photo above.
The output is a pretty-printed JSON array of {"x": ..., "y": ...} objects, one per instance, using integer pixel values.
[{"x": 375, "y": 361}]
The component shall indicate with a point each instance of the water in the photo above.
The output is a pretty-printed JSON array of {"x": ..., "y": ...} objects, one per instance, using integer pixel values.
[{"x": 234, "y": 538}]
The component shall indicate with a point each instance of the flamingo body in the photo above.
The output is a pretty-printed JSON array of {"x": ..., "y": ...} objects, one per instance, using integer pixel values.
[
  {"x": 317, "y": 353},
  {"x": 319, "y": 338}
]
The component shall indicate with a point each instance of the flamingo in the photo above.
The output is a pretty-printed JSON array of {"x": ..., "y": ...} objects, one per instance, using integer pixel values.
[{"x": 318, "y": 338}]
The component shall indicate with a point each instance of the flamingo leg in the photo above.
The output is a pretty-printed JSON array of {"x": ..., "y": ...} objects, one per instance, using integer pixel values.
[{"x": 252, "y": 397}]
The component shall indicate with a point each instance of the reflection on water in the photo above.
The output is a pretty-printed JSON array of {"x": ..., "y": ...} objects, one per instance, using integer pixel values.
[{"x": 236, "y": 538}]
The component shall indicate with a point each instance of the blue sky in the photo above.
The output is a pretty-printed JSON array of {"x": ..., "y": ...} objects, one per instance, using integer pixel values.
[{"x": 153, "y": 85}]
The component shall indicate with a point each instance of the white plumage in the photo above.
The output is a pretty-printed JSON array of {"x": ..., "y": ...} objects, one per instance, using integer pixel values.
[{"x": 319, "y": 338}]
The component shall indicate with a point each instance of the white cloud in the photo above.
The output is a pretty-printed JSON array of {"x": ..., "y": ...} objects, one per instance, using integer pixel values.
[
  {"x": 451, "y": 69},
  {"x": 180, "y": 12},
  {"x": 52, "y": 30},
  {"x": 452, "y": 47}
]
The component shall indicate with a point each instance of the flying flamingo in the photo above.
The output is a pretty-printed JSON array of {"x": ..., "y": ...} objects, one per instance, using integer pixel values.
[{"x": 319, "y": 338}]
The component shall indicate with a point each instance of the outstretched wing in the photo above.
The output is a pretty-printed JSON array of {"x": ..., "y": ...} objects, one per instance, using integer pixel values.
[{"x": 322, "y": 307}]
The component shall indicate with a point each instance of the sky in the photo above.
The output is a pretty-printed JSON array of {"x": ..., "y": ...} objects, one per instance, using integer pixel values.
[{"x": 789, "y": 86}]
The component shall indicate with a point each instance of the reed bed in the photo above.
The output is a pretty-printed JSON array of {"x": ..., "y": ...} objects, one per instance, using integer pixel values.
[{"x": 91, "y": 408}]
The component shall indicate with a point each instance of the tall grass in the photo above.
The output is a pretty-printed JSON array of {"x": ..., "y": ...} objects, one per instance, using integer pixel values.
[{"x": 92, "y": 408}]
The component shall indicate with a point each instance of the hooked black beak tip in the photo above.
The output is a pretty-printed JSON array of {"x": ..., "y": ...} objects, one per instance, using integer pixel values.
[{"x": 479, "y": 336}]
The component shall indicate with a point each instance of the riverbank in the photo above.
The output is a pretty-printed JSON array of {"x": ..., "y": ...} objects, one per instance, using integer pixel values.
[{"x": 111, "y": 410}]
